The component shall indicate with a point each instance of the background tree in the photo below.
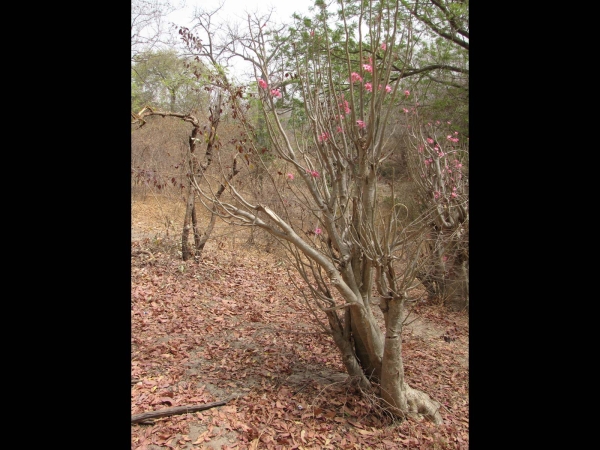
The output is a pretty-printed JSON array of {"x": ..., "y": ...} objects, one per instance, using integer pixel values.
[
  {"x": 438, "y": 162},
  {"x": 440, "y": 69},
  {"x": 148, "y": 25}
]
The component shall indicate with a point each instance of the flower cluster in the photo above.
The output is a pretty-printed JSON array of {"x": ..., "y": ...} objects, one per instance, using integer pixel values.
[
  {"x": 313, "y": 173},
  {"x": 275, "y": 93},
  {"x": 345, "y": 105},
  {"x": 290, "y": 176},
  {"x": 323, "y": 137},
  {"x": 451, "y": 138},
  {"x": 355, "y": 77},
  {"x": 360, "y": 123},
  {"x": 369, "y": 86},
  {"x": 262, "y": 83}
]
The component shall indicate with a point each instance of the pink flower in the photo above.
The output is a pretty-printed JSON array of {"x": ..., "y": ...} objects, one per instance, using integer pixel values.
[
  {"x": 323, "y": 137},
  {"x": 275, "y": 93},
  {"x": 290, "y": 176},
  {"x": 437, "y": 122},
  {"x": 383, "y": 46},
  {"x": 455, "y": 133},
  {"x": 420, "y": 149},
  {"x": 429, "y": 141},
  {"x": 312, "y": 33},
  {"x": 369, "y": 87},
  {"x": 360, "y": 124},
  {"x": 344, "y": 105},
  {"x": 262, "y": 83},
  {"x": 313, "y": 173},
  {"x": 453, "y": 195},
  {"x": 449, "y": 123},
  {"x": 339, "y": 130},
  {"x": 407, "y": 92},
  {"x": 388, "y": 89},
  {"x": 405, "y": 110},
  {"x": 318, "y": 230},
  {"x": 436, "y": 194},
  {"x": 355, "y": 77},
  {"x": 368, "y": 67}
]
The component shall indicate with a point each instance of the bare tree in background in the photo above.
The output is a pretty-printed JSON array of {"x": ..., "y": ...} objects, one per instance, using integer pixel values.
[
  {"x": 148, "y": 24},
  {"x": 210, "y": 77}
]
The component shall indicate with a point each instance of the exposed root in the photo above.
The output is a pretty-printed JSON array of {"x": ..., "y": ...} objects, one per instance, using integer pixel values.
[{"x": 421, "y": 405}]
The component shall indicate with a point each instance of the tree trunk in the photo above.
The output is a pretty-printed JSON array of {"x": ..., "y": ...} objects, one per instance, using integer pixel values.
[
  {"x": 368, "y": 343},
  {"x": 457, "y": 286},
  {"x": 344, "y": 345},
  {"x": 201, "y": 242},
  {"x": 186, "y": 251},
  {"x": 397, "y": 396}
]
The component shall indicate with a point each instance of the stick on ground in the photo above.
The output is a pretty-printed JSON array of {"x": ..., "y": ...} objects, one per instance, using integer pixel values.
[{"x": 174, "y": 411}]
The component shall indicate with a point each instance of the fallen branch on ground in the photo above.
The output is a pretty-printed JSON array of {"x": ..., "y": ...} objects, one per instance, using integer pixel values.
[{"x": 174, "y": 411}]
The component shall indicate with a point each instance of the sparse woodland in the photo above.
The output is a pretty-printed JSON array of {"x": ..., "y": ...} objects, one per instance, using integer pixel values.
[{"x": 300, "y": 217}]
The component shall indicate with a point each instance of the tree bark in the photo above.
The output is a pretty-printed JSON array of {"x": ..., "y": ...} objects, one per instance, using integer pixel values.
[
  {"x": 344, "y": 345},
  {"x": 397, "y": 395},
  {"x": 186, "y": 252}
]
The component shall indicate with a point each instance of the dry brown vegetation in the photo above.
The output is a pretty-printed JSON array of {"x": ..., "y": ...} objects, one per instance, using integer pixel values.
[{"x": 233, "y": 327}]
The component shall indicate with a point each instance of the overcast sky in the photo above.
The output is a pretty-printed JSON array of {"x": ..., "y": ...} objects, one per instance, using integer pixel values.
[{"x": 232, "y": 9}]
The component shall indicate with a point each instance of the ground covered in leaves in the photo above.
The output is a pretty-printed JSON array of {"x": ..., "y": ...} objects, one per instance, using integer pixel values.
[{"x": 232, "y": 327}]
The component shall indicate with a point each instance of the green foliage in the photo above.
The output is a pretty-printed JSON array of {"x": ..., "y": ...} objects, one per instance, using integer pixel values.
[{"x": 167, "y": 81}]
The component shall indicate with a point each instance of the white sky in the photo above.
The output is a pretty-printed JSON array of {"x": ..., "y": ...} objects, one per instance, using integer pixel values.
[{"x": 232, "y": 9}]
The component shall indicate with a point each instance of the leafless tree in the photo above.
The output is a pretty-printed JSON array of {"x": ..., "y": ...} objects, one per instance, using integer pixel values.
[{"x": 148, "y": 24}]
